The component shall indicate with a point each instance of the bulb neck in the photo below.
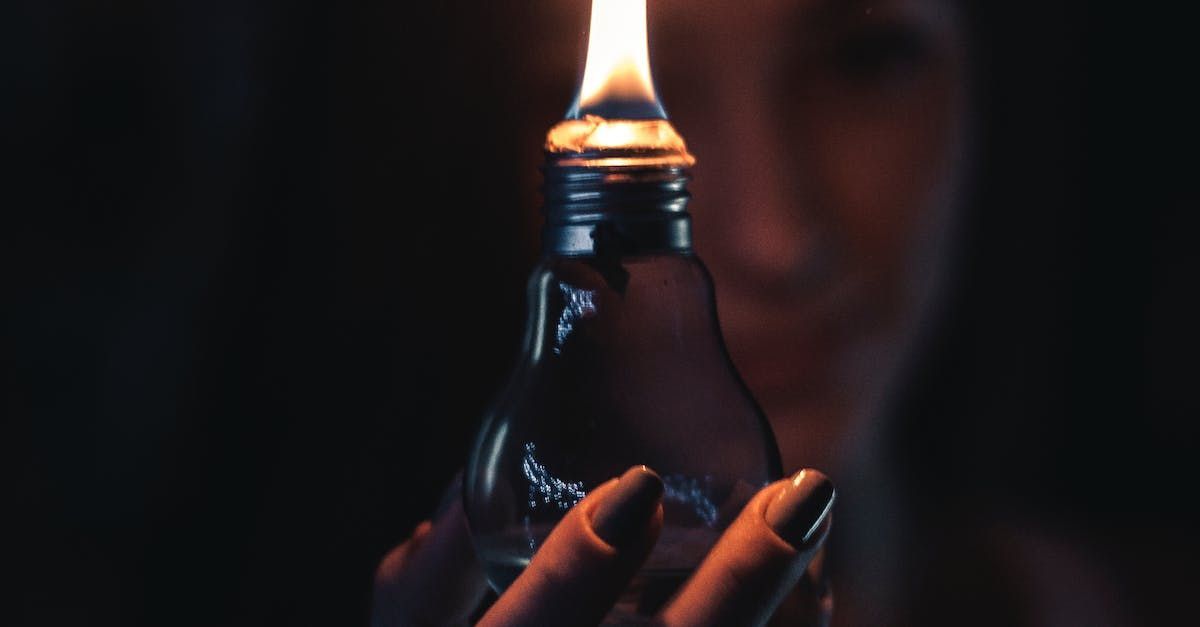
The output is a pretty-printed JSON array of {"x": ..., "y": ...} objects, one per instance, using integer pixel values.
[{"x": 614, "y": 204}]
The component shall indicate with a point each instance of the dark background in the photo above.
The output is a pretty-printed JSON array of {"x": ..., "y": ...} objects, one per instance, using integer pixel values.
[{"x": 263, "y": 265}]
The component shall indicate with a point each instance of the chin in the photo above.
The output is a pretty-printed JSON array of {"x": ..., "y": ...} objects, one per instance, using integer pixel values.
[{"x": 823, "y": 413}]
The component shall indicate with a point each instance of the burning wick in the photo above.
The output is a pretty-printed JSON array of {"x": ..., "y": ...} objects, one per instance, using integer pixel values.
[{"x": 616, "y": 119}]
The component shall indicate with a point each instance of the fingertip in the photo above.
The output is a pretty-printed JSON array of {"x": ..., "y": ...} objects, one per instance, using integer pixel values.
[
  {"x": 422, "y": 529},
  {"x": 799, "y": 513},
  {"x": 760, "y": 557},
  {"x": 590, "y": 556},
  {"x": 628, "y": 507}
]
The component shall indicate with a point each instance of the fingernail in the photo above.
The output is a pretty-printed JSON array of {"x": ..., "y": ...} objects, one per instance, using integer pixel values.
[
  {"x": 622, "y": 516},
  {"x": 801, "y": 507}
]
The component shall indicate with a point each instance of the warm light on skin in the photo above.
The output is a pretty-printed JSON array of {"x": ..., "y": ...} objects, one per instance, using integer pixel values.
[{"x": 617, "y": 71}]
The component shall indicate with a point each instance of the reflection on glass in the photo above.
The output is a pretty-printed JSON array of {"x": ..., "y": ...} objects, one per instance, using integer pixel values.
[
  {"x": 579, "y": 305},
  {"x": 545, "y": 488}
]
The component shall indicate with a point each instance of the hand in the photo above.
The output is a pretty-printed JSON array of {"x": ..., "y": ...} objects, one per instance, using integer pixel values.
[{"x": 593, "y": 552}]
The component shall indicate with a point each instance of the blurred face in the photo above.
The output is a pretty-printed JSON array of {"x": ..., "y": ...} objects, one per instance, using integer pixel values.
[{"x": 828, "y": 136}]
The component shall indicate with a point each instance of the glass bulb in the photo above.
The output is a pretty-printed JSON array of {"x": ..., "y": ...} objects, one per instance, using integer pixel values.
[
  {"x": 623, "y": 361},
  {"x": 617, "y": 371}
]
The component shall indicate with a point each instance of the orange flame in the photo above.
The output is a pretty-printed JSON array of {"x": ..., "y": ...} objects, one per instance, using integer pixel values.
[
  {"x": 617, "y": 71},
  {"x": 617, "y": 109}
]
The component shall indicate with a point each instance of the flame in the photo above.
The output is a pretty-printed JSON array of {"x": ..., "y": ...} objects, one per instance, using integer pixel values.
[
  {"x": 616, "y": 120},
  {"x": 616, "y": 77}
]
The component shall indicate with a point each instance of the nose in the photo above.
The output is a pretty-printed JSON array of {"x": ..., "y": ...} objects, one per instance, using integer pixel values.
[{"x": 764, "y": 231}]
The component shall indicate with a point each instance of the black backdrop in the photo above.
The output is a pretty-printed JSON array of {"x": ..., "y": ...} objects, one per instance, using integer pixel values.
[{"x": 263, "y": 266}]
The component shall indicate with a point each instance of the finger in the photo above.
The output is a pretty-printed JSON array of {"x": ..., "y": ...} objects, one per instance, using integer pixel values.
[
  {"x": 433, "y": 578},
  {"x": 810, "y": 603},
  {"x": 760, "y": 558},
  {"x": 589, "y": 557}
]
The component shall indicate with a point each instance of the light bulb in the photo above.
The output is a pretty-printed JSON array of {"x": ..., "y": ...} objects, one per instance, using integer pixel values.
[{"x": 622, "y": 361}]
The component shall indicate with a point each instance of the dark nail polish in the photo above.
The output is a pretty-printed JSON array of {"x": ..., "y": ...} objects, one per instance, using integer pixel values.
[
  {"x": 801, "y": 507},
  {"x": 622, "y": 516}
]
